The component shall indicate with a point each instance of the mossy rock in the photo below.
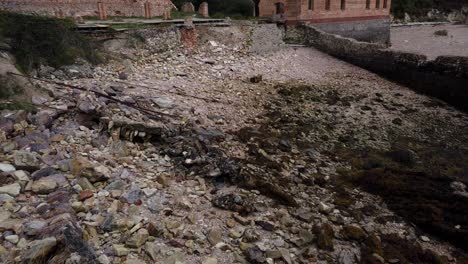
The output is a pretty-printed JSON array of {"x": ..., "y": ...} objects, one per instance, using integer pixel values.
[
  {"x": 353, "y": 232},
  {"x": 325, "y": 236}
]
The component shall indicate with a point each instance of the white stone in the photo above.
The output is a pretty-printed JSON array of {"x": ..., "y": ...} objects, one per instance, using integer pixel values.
[
  {"x": 5, "y": 167},
  {"x": 425, "y": 239},
  {"x": 103, "y": 259},
  {"x": 12, "y": 239}
]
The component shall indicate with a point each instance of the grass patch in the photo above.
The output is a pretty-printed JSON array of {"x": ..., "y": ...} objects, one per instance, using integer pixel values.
[
  {"x": 182, "y": 15},
  {"x": 17, "y": 105},
  {"x": 8, "y": 87},
  {"x": 37, "y": 40}
]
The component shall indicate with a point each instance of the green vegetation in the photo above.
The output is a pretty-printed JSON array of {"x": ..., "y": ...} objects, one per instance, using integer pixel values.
[
  {"x": 8, "y": 87},
  {"x": 130, "y": 26},
  {"x": 182, "y": 15},
  {"x": 37, "y": 40},
  {"x": 17, "y": 105}
]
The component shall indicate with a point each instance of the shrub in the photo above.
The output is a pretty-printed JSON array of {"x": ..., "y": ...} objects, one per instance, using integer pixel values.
[
  {"x": 37, "y": 40},
  {"x": 421, "y": 7}
]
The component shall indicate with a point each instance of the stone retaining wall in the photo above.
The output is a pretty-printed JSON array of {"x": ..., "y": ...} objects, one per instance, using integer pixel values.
[
  {"x": 371, "y": 30},
  {"x": 446, "y": 77}
]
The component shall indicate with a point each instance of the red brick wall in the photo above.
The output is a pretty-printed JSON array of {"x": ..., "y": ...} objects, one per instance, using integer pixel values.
[
  {"x": 85, "y": 7},
  {"x": 299, "y": 10}
]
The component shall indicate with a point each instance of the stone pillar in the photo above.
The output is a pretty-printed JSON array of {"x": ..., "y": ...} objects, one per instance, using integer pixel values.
[
  {"x": 203, "y": 10},
  {"x": 188, "y": 34},
  {"x": 188, "y": 8},
  {"x": 59, "y": 13},
  {"x": 102, "y": 11},
  {"x": 79, "y": 19},
  {"x": 167, "y": 14},
  {"x": 148, "y": 13}
]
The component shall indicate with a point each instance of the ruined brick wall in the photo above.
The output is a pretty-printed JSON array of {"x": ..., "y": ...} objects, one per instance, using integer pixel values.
[
  {"x": 73, "y": 8},
  {"x": 445, "y": 77},
  {"x": 316, "y": 11}
]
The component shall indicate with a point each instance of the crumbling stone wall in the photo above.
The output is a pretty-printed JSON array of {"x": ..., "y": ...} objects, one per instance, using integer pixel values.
[
  {"x": 446, "y": 77},
  {"x": 74, "y": 8},
  {"x": 374, "y": 30}
]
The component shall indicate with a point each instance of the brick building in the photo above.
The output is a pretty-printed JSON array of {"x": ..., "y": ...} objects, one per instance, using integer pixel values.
[
  {"x": 366, "y": 20},
  {"x": 80, "y": 8}
]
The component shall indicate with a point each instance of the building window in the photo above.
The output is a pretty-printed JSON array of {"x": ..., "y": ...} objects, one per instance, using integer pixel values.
[
  {"x": 311, "y": 4},
  {"x": 377, "y": 4},
  {"x": 385, "y": 3},
  {"x": 327, "y": 4},
  {"x": 343, "y": 4},
  {"x": 279, "y": 8},
  {"x": 367, "y": 4}
]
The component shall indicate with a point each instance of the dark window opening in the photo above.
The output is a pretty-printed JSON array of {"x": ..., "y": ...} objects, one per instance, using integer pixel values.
[
  {"x": 327, "y": 4},
  {"x": 377, "y": 4},
  {"x": 311, "y": 4},
  {"x": 257, "y": 8},
  {"x": 343, "y": 4},
  {"x": 279, "y": 8},
  {"x": 385, "y": 3},
  {"x": 367, "y": 4}
]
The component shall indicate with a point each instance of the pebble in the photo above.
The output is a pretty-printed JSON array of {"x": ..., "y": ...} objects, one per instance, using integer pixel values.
[
  {"x": 5, "y": 167},
  {"x": 12, "y": 238},
  {"x": 425, "y": 238},
  {"x": 44, "y": 186}
]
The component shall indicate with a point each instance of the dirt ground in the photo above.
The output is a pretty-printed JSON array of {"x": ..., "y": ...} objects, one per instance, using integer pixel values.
[
  {"x": 309, "y": 118},
  {"x": 421, "y": 40},
  {"x": 289, "y": 157}
]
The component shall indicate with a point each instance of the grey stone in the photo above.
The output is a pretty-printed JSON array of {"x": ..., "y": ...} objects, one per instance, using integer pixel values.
[
  {"x": 119, "y": 148},
  {"x": 39, "y": 100},
  {"x": 86, "y": 105},
  {"x": 21, "y": 175},
  {"x": 152, "y": 250},
  {"x": 85, "y": 184},
  {"x": 26, "y": 160},
  {"x": 138, "y": 239},
  {"x": 254, "y": 255},
  {"x": 163, "y": 102},
  {"x": 13, "y": 189},
  {"x": 34, "y": 227},
  {"x": 133, "y": 195},
  {"x": 215, "y": 235},
  {"x": 120, "y": 250},
  {"x": 210, "y": 260},
  {"x": 115, "y": 185},
  {"x": 44, "y": 117},
  {"x": 176, "y": 258},
  {"x": 109, "y": 223},
  {"x": 6, "y": 198},
  {"x": 43, "y": 173},
  {"x": 44, "y": 186},
  {"x": 346, "y": 257},
  {"x": 12, "y": 239}
]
